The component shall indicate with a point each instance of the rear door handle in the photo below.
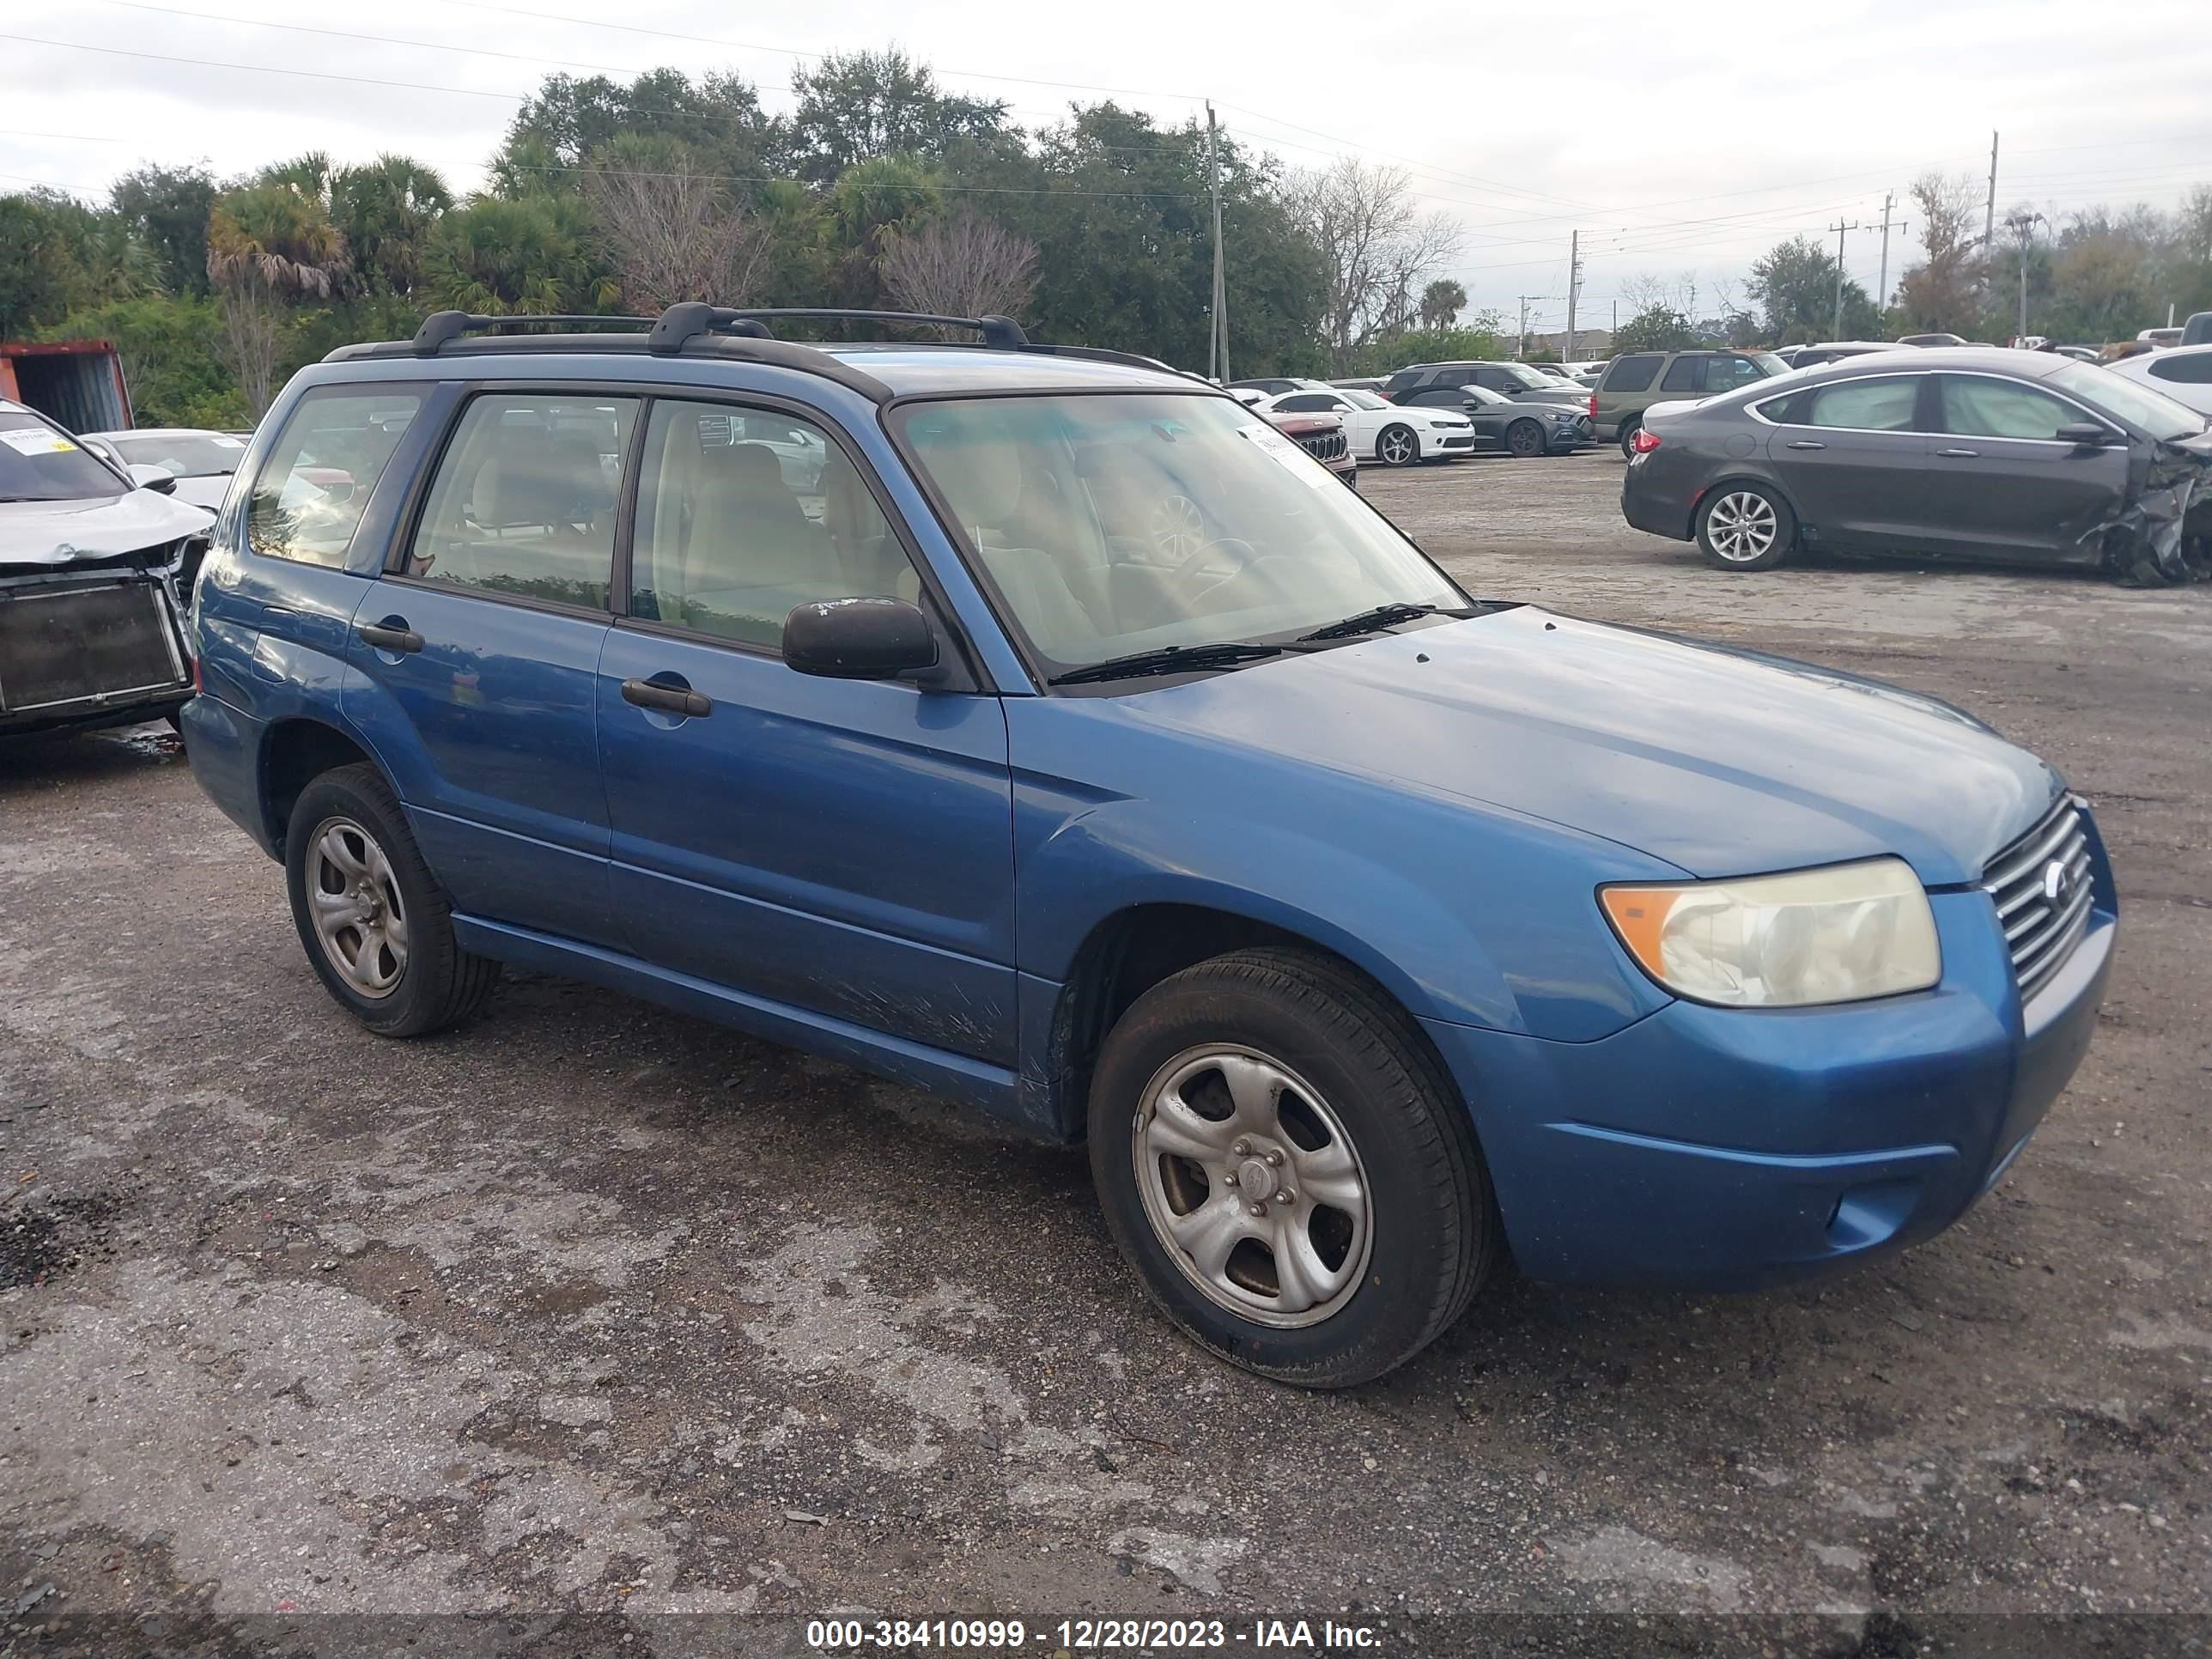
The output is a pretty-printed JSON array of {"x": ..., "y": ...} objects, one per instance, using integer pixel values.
[
  {"x": 1958, "y": 454},
  {"x": 403, "y": 640},
  {"x": 1806, "y": 443},
  {"x": 674, "y": 699}
]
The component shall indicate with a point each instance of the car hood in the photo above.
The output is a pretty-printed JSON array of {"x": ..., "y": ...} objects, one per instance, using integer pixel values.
[
  {"x": 1719, "y": 761},
  {"x": 207, "y": 492},
  {"x": 51, "y": 534}
]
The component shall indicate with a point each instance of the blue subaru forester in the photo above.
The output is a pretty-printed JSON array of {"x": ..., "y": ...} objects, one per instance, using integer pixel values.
[{"x": 1039, "y": 726}]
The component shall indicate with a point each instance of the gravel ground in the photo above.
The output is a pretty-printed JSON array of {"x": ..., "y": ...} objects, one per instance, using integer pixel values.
[{"x": 570, "y": 1330}]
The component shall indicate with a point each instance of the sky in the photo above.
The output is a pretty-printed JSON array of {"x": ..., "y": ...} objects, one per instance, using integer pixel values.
[{"x": 1679, "y": 138}]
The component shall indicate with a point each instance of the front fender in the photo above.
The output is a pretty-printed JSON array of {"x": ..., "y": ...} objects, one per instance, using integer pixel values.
[{"x": 1475, "y": 917}]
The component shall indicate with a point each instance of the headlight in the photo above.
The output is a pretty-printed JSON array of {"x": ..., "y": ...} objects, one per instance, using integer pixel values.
[{"x": 1841, "y": 934}]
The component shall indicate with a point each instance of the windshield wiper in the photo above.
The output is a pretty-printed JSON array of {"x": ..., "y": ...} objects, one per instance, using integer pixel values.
[
  {"x": 1381, "y": 616},
  {"x": 1169, "y": 659}
]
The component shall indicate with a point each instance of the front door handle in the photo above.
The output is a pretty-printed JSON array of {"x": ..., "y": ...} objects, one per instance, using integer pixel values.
[
  {"x": 1958, "y": 454},
  {"x": 671, "y": 699},
  {"x": 1806, "y": 443},
  {"x": 402, "y": 638}
]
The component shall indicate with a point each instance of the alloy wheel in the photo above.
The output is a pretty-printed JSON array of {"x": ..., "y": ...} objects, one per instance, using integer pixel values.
[
  {"x": 1398, "y": 446},
  {"x": 359, "y": 917},
  {"x": 1741, "y": 527},
  {"x": 1178, "y": 526},
  {"x": 1252, "y": 1186}
]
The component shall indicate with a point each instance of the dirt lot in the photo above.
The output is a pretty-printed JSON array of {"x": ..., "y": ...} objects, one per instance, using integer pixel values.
[{"x": 590, "y": 1320}]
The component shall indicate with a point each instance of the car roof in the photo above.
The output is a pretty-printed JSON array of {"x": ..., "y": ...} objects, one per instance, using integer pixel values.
[
  {"x": 915, "y": 371},
  {"x": 2022, "y": 365}
]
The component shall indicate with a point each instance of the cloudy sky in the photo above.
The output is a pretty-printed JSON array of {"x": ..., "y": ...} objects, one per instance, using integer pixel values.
[{"x": 1680, "y": 137}]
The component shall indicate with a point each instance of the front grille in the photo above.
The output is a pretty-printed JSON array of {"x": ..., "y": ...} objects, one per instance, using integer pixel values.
[
  {"x": 2041, "y": 926},
  {"x": 1325, "y": 445},
  {"x": 90, "y": 645}
]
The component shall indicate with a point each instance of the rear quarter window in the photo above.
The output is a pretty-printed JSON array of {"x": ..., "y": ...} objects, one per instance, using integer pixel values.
[
  {"x": 1629, "y": 374},
  {"x": 310, "y": 494},
  {"x": 2190, "y": 368}
]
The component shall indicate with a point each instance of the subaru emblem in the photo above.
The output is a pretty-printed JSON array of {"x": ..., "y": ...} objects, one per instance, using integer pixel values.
[{"x": 2055, "y": 878}]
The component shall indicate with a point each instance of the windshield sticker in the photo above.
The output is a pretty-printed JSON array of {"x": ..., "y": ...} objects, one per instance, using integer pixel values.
[
  {"x": 1273, "y": 445},
  {"x": 35, "y": 440}
]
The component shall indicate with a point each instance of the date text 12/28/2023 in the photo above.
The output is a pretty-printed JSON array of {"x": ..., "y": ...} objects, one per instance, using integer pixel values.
[{"x": 1087, "y": 1634}]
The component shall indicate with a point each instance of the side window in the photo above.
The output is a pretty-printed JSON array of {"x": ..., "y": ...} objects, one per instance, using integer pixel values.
[
  {"x": 1494, "y": 378},
  {"x": 1305, "y": 402},
  {"x": 1978, "y": 408},
  {"x": 742, "y": 514},
  {"x": 1453, "y": 377},
  {"x": 1727, "y": 373},
  {"x": 524, "y": 501},
  {"x": 1448, "y": 396},
  {"x": 311, "y": 492},
  {"x": 1684, "y": 374},
  {"x": 1630, "y": 374},
  {"x": 1864, "y": 405},
  {"x": 2188, "y": 368}
]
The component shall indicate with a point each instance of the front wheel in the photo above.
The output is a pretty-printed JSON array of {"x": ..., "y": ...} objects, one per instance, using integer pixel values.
[
  {"x": 1397, "y": 446},
  {"x": 376, "y": 926},
  {"x": 1743, "y": 527},
  {"x": 1288, "y": 1170},
  {"x": 1525, "y": 439}
]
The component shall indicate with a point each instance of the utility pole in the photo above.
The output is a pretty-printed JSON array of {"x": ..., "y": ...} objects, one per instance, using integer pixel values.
[
  {"x": 1990, "y": 219},
  {"x": 1217, "y": 340},
  {"x": 1839, "y": 228},
  {"x": 1520, "y": 341},
  {"x": 2023, "y": 226},
  {"x": 1881, "y": 296},
  {"x": 1616, "y": 314},
  {"x": 1574, "y": 289}
]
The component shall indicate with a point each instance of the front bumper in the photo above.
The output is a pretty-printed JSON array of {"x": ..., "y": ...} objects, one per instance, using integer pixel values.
[{"x": 1719, "y": 1149}]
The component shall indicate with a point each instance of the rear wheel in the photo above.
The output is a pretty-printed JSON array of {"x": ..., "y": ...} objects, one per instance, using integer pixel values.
[
  {"x": 1525, "y": 439},
  {"x": 376, "y": 926},
  {"x": 1287, "y": 1169},
  {"x": 1397, "y": 446},
  {"x": 1743, "y": 527},
  {"x": 1628, "y": 429}
]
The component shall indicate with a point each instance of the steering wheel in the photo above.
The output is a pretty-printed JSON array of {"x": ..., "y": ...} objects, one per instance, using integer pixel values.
[{"x": 1241, "y": 550}]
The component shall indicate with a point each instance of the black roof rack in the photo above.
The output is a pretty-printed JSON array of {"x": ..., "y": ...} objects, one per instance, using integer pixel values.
[
  {"x": 691, "y": 318},
  {"x": 441, "y": 328}
]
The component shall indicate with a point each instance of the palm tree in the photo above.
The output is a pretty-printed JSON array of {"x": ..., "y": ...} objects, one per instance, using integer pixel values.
[
  {"x": 385, "y": 210},
  {"x": 267, "y": 243}
]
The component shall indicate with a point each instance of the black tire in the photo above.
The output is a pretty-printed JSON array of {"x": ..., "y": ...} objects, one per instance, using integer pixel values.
[
  {"x": 1433, "y": 1236},
  {"x": 1742, "y": 550},
  {"x": 440, "y": 984},
  {"x": 1401, "y": 439},
  {"x": 1524, "y": 440},
  {"x": 1627, "y": 437}
]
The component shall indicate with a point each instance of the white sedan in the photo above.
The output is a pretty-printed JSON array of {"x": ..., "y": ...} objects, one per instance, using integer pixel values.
[
  {"x": 1394, "y": 435},
  {"x": 2183, "y": 372},
  {"x": 200, "y": 462}
]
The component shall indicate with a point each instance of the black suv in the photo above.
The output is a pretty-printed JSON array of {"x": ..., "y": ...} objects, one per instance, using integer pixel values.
[{"x": 1515, "y": 381}]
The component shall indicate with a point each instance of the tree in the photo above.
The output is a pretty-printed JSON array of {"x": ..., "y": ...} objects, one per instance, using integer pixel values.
[
  {"x": 719, "y": 120},
  {"x": 964, "y": 266},
  {"x": 1794, "y": 284},
  {"x": 1375, "y": 245},
  {"x": 385, "y": 210},
  {"x": 167, "y": 210},
  {"x": 676, "y": 231},
  {"x": 1655, "y": 328},
  {"x": 1441, "y": 301},
  {"x": 270, "y": 243},
  {"x": 858, "y": 106},
  {"x": 1942, "y": 292},
  {"x": 496, "y": 257}
]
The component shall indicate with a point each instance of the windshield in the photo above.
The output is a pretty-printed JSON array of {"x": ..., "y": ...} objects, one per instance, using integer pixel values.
[
  {"x": 1115, "y": 524},
  {"x": 1483, "y": 394},
  {"x": 1522, "y": 375},
  {"x": 1359, "y": 399},
  {"x": 1769, "y": 362},
  {"x": 183, "y": 454},
  {"x": 2154, "y": 412},
  {"x": 41, "y": 463}
]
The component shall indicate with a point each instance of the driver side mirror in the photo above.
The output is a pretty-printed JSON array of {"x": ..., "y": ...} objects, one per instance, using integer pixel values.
[
  {"x": 858, "y": 639},
  {"x": 2083, "y": 435},
  {"x": 159, "y": 479}
]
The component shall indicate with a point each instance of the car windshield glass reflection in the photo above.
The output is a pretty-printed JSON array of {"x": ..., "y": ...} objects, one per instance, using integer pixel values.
[{"x": 1111, "y": 525}]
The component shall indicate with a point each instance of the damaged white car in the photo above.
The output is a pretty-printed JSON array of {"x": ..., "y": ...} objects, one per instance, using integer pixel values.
[{"x": 95, "y": 576}]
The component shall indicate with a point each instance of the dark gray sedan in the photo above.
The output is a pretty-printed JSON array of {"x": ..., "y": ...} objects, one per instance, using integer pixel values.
[
  {"x": 1499, "y": 422},
  {"x": 1999, "y": 456}
]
